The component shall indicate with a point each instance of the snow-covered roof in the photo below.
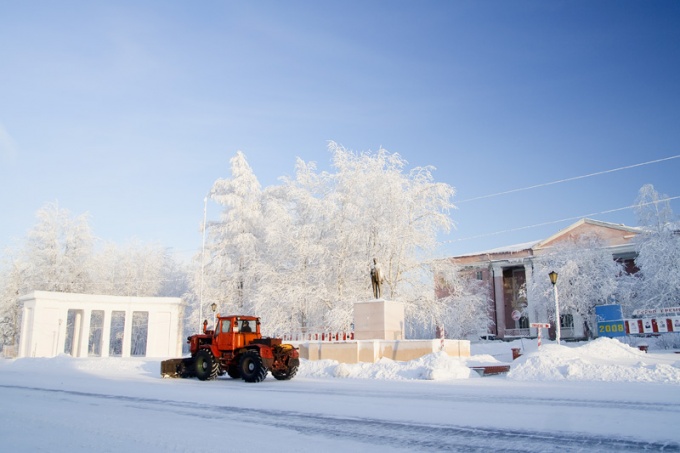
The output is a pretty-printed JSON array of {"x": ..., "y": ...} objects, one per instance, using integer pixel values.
[{"x": 505, "y": 249}]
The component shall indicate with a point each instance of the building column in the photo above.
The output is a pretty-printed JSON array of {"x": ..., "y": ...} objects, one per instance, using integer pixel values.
[
  {"x": 106, "y": 333},
  {"x": 77, "y": 329},
  {"x": 528, "y": 278},
  {"x": 499, "y": 300},
  {"x": 61, "y": 332},
  {"x": 127, "y": 334},
  {"x": 85, "y": 334}
]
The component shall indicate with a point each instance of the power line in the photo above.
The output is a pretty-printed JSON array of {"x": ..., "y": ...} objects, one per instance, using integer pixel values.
[
  {"x": 570, "y": 179},
  {"x": 558, "y": 221}
]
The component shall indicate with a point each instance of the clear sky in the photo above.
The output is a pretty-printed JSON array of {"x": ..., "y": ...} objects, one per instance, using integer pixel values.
[{"x": 130, "y": 110}]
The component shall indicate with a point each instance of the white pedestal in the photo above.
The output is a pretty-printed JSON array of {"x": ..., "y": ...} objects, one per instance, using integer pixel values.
[{"x": 379, "y": 320}]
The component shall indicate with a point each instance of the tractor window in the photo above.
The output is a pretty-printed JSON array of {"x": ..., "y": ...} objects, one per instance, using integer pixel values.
[
  {"x": 245, "y": 326},
  {"x": 225, "y": 326}
]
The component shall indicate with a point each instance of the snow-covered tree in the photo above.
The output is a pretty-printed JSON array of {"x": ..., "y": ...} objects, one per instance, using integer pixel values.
[
  {"x": 658, "y": 246},
  {"x": 297, "y": 234},
  {"x": 587, "y": 276},
  {"x": 134, "y": 269},
  {"x": 233, "y": 267},
  {"x": 12, "y": 285},
  {"x": 299, "y": 253},
  {"x": 58, "y": 251},
  {"x": 458, "y": 307}
]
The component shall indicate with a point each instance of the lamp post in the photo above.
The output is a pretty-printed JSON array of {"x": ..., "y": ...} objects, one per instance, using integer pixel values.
[
  {"x": 553, "y": 280},
  {"x": 213, "y": 307}
]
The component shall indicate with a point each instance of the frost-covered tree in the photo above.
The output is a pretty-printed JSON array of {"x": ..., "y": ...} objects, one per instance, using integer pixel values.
[
  {"x": 298, "y": 230},
  {"x": 658, "y": 247},
  {"x": 12, "y": 285},
  {"x": 234, "y": 250},
  {"x": 134, "y": 269},
  {"x": 58, "y": 251},
  {"x": 391, "y": 215},
  {"x": 299, "y": 253},
  {"x": 587, "y": 276},
  {"x": 458, "y": 307}
]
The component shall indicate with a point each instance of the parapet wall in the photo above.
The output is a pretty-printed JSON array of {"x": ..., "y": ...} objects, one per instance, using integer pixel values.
[{"x": 373, "y": 350}]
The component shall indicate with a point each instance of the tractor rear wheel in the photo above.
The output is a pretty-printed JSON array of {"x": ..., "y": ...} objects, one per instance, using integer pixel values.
[
  {"x": 287, "y": 374},
  {"x": 251, "y": 367},
  {"x": 206, "y": 366}
]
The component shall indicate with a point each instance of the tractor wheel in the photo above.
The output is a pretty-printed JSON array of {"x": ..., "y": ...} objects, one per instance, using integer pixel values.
[
  {"x": 251, "y": 367},
  {"x": 206, "y": 366},
  {"x": 286, "y": 375},
  {"x": 233, "y": 373}
]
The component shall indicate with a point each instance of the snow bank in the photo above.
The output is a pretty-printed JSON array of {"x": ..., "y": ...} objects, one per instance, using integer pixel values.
[
  {"x": 436, "y": 366},
  {"x": 604, "y": 359}
]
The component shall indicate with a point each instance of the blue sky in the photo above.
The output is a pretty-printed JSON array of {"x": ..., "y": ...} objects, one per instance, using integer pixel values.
[{"x": 131, "y": 110}]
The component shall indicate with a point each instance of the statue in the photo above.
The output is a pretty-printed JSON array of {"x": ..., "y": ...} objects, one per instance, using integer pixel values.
[{"x": 376, "y": 278}]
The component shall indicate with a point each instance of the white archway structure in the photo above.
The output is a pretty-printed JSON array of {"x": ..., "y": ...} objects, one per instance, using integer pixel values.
[{"x": 85, "y": 325}]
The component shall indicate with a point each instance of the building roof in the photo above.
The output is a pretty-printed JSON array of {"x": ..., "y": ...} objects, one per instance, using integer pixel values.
[{"x": 616, "y": 235}]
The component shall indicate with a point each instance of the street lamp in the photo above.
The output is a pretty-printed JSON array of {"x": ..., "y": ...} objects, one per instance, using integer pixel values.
[
  {"x": 213, "y": 307},
  {"x": 553, "y": 280}
]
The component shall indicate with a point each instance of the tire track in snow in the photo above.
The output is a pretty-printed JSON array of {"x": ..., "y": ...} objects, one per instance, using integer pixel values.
[{"x": 383, "y": 433}]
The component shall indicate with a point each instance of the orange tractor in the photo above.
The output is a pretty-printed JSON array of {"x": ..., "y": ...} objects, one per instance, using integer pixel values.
[{"x": 236, "y": 348}]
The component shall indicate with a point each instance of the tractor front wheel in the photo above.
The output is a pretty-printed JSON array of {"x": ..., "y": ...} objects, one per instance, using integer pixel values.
[
  {"x": 287, "y": 374},
  {"x": 251, "y": 367},
  {"x": 206, "y": 366}
]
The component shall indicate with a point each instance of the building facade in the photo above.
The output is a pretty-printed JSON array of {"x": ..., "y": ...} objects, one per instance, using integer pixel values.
[
  {"x": 87, "y": 325},
  {"x": 505, "y": 271}
]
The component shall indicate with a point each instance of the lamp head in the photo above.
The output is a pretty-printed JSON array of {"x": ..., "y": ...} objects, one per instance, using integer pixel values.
[{"x": 553, "y": 277}]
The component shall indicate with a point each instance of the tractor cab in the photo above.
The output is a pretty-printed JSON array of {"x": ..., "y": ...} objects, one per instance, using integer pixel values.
[{"x": 233, "y": 332}]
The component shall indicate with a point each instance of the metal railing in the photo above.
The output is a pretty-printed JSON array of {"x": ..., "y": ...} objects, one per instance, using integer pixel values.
[
  {"x": 319, "y": 336},
  {"x": 517, "y": 332}
]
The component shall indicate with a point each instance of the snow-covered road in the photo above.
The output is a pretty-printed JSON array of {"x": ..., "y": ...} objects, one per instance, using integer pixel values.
[{"x": 88, "y": 409}]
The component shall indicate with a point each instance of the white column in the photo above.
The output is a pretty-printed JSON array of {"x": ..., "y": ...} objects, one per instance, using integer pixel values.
[
  {"x": 528, "y": 277},
  {"x": 61, "y": 333},
  {"x": 499, "y": 299},
  {"x": 85, "y": 333},
  {"x": 106, "y": 333},
  {"x": 26, "y": 338},
  {"x": 77, "y": 327},
  {"x": 127, "y": 334}
]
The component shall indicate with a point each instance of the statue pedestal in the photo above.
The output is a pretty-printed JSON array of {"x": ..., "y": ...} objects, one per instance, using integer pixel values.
[{"x": 379, "y": 320}]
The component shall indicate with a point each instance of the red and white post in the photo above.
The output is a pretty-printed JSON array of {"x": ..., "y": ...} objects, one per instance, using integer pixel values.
[{"x": 538, "y": 326}]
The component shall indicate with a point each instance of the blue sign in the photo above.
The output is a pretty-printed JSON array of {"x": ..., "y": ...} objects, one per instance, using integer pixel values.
[{"x": 610, "y": 321}]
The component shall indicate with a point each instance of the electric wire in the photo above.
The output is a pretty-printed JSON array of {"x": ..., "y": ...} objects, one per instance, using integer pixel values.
[
  {"x": 552, "y": 222},
  {"x": 574, "y": 178}
]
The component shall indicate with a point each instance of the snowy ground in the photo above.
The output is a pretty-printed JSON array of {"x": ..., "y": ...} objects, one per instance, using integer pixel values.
[{"x": 597, "y": 396}]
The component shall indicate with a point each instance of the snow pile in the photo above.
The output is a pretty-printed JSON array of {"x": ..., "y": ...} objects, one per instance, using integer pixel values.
[
  {"x": 604, "y": 359},
  {"x": 436, "y": 366}
]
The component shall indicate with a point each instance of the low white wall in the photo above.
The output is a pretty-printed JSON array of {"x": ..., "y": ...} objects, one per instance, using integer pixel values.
[
  {"x": 373, "y": 350},
  {"x": 45, "y": 313}
]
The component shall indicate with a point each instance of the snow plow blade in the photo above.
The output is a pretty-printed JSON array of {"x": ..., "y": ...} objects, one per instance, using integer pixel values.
[{"x": 177, "y": 368}]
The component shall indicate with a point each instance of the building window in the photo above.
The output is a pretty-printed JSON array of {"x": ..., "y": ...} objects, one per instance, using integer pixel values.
[
  {"x": 524, "y": 322},
  {"x": 480, "y": 275},
  {"x": 567, "y": 321}
]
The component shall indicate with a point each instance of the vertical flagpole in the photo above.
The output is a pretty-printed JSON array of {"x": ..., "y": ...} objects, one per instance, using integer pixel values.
[{"x": 200, "y": 306}]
